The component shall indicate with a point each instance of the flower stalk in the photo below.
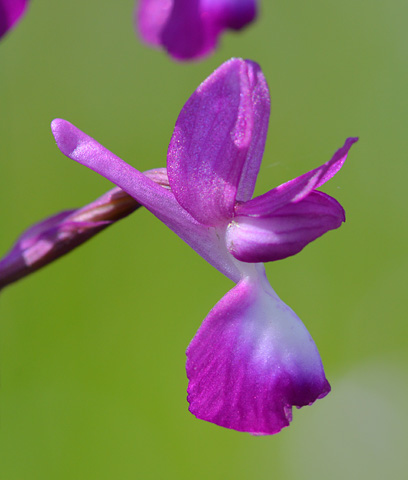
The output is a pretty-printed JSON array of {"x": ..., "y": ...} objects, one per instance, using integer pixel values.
[{"x": 53, "y": 237}]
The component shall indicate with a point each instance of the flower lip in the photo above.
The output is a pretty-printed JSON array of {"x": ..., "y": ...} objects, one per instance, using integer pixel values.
[{"x": 252, "y": 360}]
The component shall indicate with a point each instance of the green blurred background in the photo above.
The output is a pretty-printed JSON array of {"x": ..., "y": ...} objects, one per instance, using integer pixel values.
[{"x": 92, "y": 347}]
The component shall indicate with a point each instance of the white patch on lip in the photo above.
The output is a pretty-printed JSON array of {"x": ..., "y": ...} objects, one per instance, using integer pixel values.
[{"x": 274, "y": 337}]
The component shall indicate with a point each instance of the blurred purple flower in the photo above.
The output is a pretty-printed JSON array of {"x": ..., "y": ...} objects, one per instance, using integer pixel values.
[
  {"x": 189, "y": 29},
  {"x": 10, "y": 13},
  {"x": 50, "y": 239},
  {"x": 252, "y": 359}
]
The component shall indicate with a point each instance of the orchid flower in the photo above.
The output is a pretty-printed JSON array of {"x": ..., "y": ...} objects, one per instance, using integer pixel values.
[
  {"x": 50, "y": 239},
  {"x": 10, "y": 13},
  {"x": 252, "y": 358},
  {"x": 189, "y": 29}
]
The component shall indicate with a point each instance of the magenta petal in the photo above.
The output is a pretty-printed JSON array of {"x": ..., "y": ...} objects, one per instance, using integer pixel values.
[
  {"x": 10, "y": 13},
  {"x": 286, "y": 232},
  {"x": 218, "y": 141},
  {"x": 160, "y": 201},
  {"x": 251, "y": 361},
  {"x": 187, "y": 34},
  {"x": 189, "y": 29},
  {"x": 234, "y": 14},
  {"x": 85, "y": 150},
  {"x": 296, "y": 189},
  {"x": 261, "y": 105}
]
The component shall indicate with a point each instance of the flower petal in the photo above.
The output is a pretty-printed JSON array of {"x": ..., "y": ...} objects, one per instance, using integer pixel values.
[
  {"x": 286, "y": 232},
  {"x": 160, "y": 201},
  {"x": 251, "y": 361},
  {"x": 10, "y": 13},
  {"x": 189, "y": 29},
  {"x": 187, "y": 35},
  {"x": 218, "y": 141},
  {"x": 296, "y": 189},
  {"x": 233, "y": 14},
  {"x": 151, "y": 17}
]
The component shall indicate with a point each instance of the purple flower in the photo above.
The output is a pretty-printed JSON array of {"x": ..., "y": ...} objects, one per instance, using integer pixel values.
[
  {"x": 50, "y": 239},
  {"x": 10, "y": 13},
  {"x": 252, "y": 358},
  {"x": 189, "y": 29}
]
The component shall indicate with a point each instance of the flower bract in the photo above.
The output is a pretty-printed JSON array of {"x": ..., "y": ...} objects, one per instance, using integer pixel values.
[
  {"x": 189, "y": 29},
  {"x": 252, "y": 359},
  {"x": 55, "y": 236}
]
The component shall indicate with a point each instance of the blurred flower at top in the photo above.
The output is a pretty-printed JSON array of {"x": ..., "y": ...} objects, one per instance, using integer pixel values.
[
  {"x": 189, "y": 29},
  {"x": 11, "y": 12},
  {"x": 252, "y": 359}
]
